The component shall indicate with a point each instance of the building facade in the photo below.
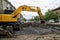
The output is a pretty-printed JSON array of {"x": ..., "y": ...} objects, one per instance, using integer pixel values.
[
  {"x": 57, "y": 10},
  {"x": 5, "y": 5}
]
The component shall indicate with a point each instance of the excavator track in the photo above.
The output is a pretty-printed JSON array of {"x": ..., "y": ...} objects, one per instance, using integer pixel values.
[{"x": 7, "y": 31}]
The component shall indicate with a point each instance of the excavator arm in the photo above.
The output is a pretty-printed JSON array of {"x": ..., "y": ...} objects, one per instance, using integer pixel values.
[
  {"x": 28, "y": 8},
  {"x": 14, "y": 16}
]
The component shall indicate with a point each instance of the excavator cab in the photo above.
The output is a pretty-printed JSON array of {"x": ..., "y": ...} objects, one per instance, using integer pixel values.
[{"x": 8, "y": 11}]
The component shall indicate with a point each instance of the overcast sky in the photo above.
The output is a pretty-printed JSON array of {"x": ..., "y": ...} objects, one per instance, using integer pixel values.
[{"x": 43, "y": 4}]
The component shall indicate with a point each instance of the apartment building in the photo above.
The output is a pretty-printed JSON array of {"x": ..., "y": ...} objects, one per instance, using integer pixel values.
[
  {"x": 57, "y": 10},
  {"x": 5, "y": 5}
]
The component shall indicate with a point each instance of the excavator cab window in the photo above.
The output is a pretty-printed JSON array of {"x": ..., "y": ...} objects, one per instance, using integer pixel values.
[{"x": 8, "y": 11}]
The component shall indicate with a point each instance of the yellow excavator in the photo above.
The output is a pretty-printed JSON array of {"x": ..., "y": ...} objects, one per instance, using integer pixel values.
[{"x": 10, "y": 21}]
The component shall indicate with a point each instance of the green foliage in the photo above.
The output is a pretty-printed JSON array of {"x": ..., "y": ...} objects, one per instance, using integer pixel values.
[
  {"x": 50, "y": 15},
  {"x": 31, "y": 19},
  {"x": 36, "y": 18},
  {"x": 24, "y": 19}
]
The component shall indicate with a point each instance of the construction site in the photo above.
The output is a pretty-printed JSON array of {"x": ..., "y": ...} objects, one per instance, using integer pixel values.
[{"x": 13, "y": 26}]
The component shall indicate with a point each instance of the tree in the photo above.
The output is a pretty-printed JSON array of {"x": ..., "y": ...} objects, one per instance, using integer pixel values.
[
  {"x": 37, "y": 18},
  {"x": 24, "y": 19},
  {"x": 51, "y": 15},
  {"x": 31, "y": 19}
]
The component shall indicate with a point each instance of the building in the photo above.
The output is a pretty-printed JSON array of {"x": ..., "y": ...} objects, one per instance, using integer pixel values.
[
  {"x": 5, "y": 5},
  {"x": 57, "y": 10}
]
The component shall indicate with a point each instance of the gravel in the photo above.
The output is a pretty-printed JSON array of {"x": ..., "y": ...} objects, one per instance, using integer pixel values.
[{"x": 40, "y": 32}]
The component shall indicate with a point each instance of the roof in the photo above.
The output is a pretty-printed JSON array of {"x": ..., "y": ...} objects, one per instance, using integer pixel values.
[
  {"x": 10, "y": 3},
  {"x": 56, "y": 9}
]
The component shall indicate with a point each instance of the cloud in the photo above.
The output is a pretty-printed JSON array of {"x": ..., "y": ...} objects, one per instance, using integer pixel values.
[{"x": 28, "y": 15}]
